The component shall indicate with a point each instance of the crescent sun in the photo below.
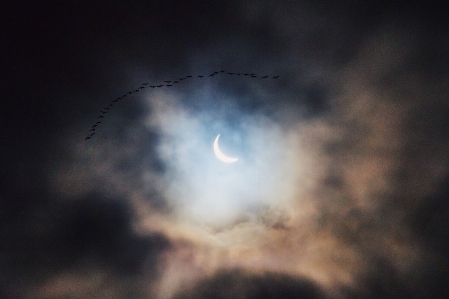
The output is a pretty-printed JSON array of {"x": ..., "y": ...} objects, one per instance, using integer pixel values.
[{"x": 222, "y": 157}]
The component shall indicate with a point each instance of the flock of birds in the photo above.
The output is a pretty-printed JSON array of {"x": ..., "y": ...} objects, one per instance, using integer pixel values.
[{"x": 169, "y": 84}]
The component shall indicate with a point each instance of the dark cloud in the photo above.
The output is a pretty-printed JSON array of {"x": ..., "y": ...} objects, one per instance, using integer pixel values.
[
  {"x": 238, "y": 284},
  {"x": 44, "y": 237}
]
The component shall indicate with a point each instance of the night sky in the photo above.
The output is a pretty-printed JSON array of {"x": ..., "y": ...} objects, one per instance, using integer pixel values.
[{"x": 338, "y": 112}]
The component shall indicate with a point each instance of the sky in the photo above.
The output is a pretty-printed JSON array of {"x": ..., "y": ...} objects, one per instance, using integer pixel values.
[{"x": 336, "y": 110}]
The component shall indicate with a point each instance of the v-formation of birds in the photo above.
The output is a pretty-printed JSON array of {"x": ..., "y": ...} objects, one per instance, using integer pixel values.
[{"x": 169, "y": 84}]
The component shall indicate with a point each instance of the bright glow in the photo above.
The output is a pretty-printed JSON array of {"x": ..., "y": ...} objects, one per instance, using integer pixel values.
[
  {"x": 203, "y": 190},
  {"x": 220, "y": 155}
]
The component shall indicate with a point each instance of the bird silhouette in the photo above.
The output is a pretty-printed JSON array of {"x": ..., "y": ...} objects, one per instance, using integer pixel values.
[
  {"x": 92, "y": 134},
  {"x": 144, "y": 85}
]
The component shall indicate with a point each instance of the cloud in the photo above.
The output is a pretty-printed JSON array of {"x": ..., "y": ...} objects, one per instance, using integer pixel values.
[
  {"x": 77, "y": 248},
  {"x": 238, "y": 284},
  {"x": 339, "y": 190}
]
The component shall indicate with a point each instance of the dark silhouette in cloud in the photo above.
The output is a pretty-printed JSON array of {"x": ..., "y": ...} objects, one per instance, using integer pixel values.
[{"x": 237, "y": 284}]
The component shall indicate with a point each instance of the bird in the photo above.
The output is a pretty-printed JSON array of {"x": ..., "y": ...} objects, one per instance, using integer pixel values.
[
  {"x": 88, "y": 137},
  {"x": 245, "y": 74},
  {"x": 129, "y": 92},
  {"x": 168, "y": 85},
  {"x": 103, "y": 112},
  {"x": 142, "y": 87},
  {"x": 276, "y": 77},
  {"x": 253, "y": 76},
  {"x": 180, "y": 79},
  {"x": 200, "y": 76},
  {"x": 152, "y": 86},
  {"x": 114, "y": 101},
  {"x": 92, "y": 130},
  {"x": 101, "y": 116},
  {"x": 211, "y": 75},
  {"x": 189, "y": 77},
  {"x": 167, "y": 81},
  {"x": 160, "y": 85},
  {"x": 94, "y": 126},
  {"x": 264, "y": 77},
  {"x": 98, "y": 122},
  {"x": 107, "y": 108},
  {"x": 175, "y": 82},
  {"x": 92, "y": 134},
  {"x": 222, "y": 71},
  {"x": 144, "y": 83}
]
